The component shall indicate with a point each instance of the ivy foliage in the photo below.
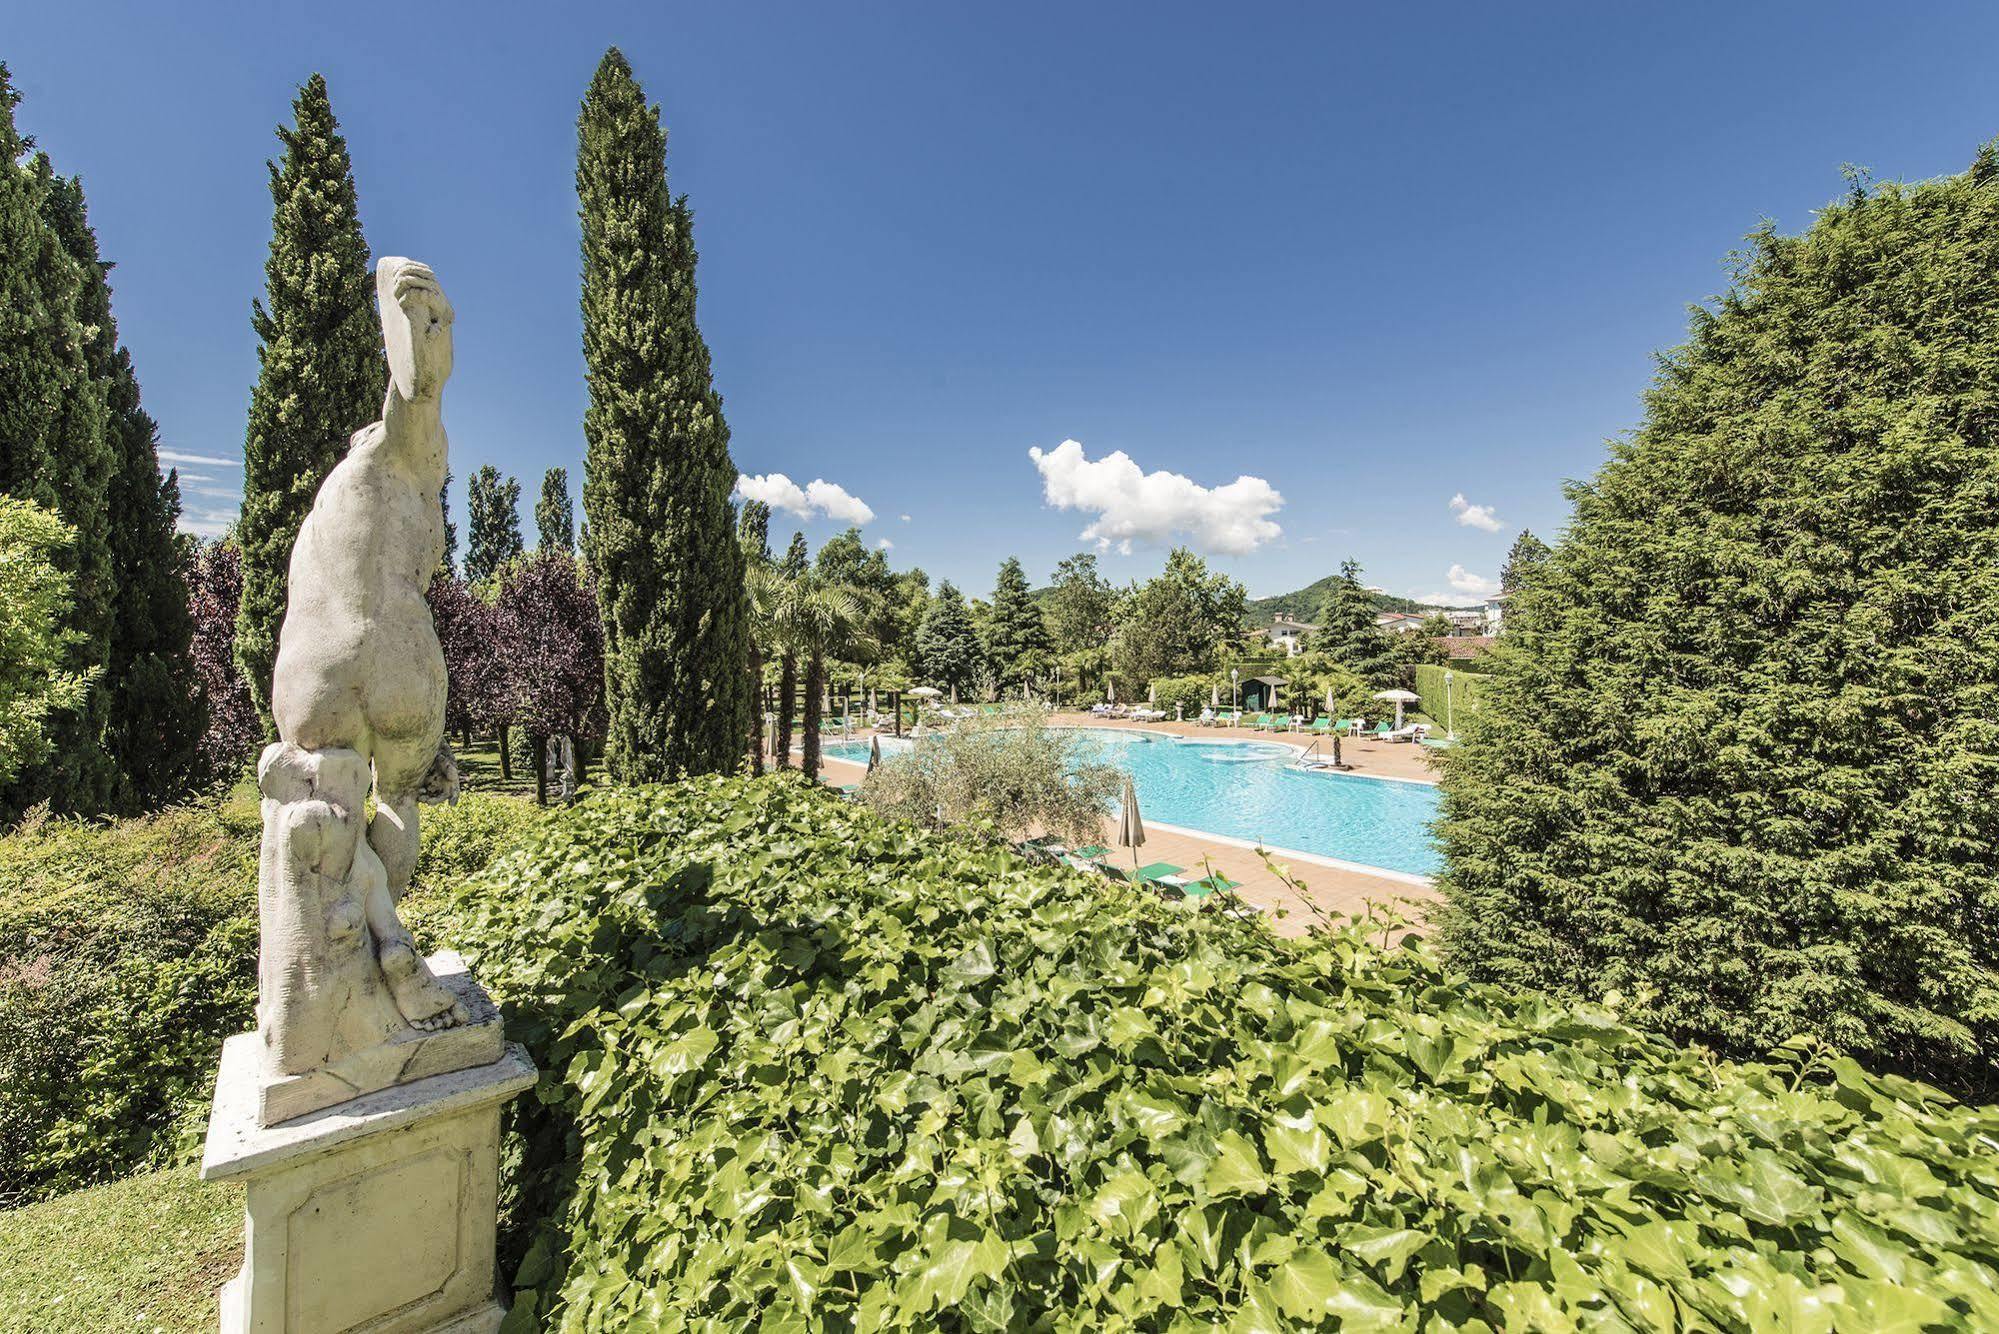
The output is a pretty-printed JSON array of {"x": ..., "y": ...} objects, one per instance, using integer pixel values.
[
  {"x": 805, "y": 1067},
  {"x": 1736, "y": 754}
]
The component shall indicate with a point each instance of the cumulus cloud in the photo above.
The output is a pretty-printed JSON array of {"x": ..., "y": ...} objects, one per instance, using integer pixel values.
[
  {"x": 1137, "y": 506},
  {"x": 1474, "y": 516},
  {"x": 886, "y": 545},
  {"x": 815, "y": 497},
  {"x": 1465, "y": 587},
  {"x": 905, "y": 518},
  {"x": 211, "y": 460},
  {"x": 206, "y": 524}
]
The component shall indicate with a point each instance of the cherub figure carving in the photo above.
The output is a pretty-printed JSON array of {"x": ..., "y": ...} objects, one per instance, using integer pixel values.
[{"x": 358, "y": 694}]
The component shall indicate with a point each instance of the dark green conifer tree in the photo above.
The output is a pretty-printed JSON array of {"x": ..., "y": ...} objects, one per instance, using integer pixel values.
[
  {"x": 657, "y": 473},
  {"x": 947, "y": 641},
  {"x": 55, "y": 450},
  {"x": 1527, "y": 552},
  {"x": 1015, "y": 627},
  {"x": 449, "y": 565},
  {"x": 554, "y": 517},
  {"x": 1736, "y": 757},
  {"x": 790, "y": 569},
  {"x": 493, "y": 536},
  {"x": 321, "y": 370},
  {"x": 154, "y": 721},
  {"x": 1349, "y": 634}
]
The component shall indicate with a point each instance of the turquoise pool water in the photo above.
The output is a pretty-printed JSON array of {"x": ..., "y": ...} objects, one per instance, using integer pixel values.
[{"x": 1252, "y": 790}]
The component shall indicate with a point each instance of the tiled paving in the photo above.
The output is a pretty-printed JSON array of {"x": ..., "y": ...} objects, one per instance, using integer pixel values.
[{"x": 1316, "y": 892}]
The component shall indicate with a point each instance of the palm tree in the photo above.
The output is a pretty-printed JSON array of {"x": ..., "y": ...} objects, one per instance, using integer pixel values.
[{"x": 818, "y": 620}]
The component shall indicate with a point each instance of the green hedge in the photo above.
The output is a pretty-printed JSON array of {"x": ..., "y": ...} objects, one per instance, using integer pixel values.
[
  {"x": 1464, "y": 690},
  {"x": 803, "y": 1067},
  {"x": 128, "y": 951}
]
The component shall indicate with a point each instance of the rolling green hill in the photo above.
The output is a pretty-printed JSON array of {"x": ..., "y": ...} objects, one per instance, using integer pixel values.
[{"x": 1304, "y": 603}]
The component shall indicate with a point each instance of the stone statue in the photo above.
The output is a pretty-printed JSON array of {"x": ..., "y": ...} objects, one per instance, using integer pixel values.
[{"x": 345, "y": 1003}]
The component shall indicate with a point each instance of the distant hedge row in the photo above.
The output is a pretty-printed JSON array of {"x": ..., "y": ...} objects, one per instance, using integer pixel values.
[{"x": 1432, "y": 684}]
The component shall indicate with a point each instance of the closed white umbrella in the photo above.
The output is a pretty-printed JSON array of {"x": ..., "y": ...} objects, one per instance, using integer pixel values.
[
  {"x": 874, "y": 753},
  {"x": 1400, "y": 697},
  {"x": 1130, "y": 825}
]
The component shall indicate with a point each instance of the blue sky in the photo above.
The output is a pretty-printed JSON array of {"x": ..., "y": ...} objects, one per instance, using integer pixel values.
[{"x": 1371, "y": 258}]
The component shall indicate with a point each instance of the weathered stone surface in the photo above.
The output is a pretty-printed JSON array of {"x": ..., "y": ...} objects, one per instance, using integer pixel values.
[
  {"x": 406, "y": 1054},
  {"x": 344, "y": 1001},
  {"x": 375, "y": 1214}
]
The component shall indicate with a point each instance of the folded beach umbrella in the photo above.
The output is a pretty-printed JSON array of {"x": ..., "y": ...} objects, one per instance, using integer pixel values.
[
  {"x": 1130, "y": 825},
  {"x": 874, "y": 752}
]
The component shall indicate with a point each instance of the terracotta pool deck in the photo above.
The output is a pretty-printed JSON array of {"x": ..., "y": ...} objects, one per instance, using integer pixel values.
[{"x": 1321, "y": 891}]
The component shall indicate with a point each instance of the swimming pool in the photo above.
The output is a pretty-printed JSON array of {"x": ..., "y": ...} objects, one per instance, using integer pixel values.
[{"x": 1252, "y": 790}]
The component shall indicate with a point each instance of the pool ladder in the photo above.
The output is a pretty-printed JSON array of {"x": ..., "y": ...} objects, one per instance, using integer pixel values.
[{"x": 1328, "y": 759}]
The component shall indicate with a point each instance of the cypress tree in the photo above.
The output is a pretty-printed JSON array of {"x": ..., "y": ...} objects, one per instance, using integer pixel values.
[
  {"x": 1736, "y": 757},
  {"x": 554, "y": 519},
  {"x": 154, "y": 719},
  {"x": 448, "y": 567},
  {"x": 321, "y": 369},
  {"x": 761, "y": 584},
  {"x": 494, "y": 535},
  {"x": 1016, "y": 626},
  {"x": 657, "y": 472},
  {"x": 790, "y": 570},
  {"x": 56, "y": 451}
]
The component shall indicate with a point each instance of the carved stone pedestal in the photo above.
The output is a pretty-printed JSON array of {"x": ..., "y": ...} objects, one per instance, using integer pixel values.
[{"x": 376, "y": 1214}]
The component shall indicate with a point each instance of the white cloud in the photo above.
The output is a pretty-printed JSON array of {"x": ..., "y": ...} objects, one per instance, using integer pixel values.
[
  {"x": 886, "y": 545},
  {"x": 176, "y": 456},
  {"x": 218, "y": 492},
  {"x": 206, "y": 524},
  {"x": 1466, "y": 587},
  {"x": 1137, "y": 506},
  {"x": 905, "y": 518},
  {"x": 1474, "y": 516},
  {"x": 836, "y": 502},
  {"x": 815, "y": 497}
]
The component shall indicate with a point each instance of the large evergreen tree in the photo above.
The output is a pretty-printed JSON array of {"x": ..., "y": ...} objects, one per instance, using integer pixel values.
[
  {"x": 554, "y": 517},
  {"x": 790, "y": 569},
  {"x": 1349, "y": 631},
  {"x": 1178, "y": 622},
  {"x": 153, "y": 719},
  {"x": 321, "y": 370},
  {"x": 657, "y": 474},
  {"x": 1736, "y": 758},
  {"x": 493, "y": 534},
  {"x": 1082, "y": 605},
  {"x": 1016, "y": 629},
  {"x": 55, "y": 450},
  {"x": 947, "y": 642},
  {"x": 1527, "y": 552}
]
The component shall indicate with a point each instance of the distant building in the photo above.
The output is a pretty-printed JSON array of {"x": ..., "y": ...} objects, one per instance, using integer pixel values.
[
  {"x": 1288, "y": 633},
  {"x": 1495, "y": 612},
  {"x": 1399, "y": 622}
]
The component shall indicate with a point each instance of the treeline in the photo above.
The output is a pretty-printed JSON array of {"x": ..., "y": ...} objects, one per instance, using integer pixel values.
[{"x": 94, "y": 710}]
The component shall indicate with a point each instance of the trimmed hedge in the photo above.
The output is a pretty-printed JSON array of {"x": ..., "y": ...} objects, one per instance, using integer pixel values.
[
  {"x": 802, "y": 1066},
  {"x": 1464, "y": 693}
]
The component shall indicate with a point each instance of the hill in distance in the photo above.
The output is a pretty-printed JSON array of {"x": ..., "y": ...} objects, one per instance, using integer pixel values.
[{"x": 1303, "y": 604}]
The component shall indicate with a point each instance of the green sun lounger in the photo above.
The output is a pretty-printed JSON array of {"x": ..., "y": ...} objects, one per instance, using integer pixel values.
[{"x": 1145, "y": 875}]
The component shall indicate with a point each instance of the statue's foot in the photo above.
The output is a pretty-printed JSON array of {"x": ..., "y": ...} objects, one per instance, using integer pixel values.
[{"x": 423, "y": 1000}]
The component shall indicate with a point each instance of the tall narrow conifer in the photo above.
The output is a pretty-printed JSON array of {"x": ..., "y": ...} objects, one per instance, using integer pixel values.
[
  {"x": 554, "y": 517},
  {"x": 54, "y": 451},
  {"x": 153, "y": 719},
  {"x": 657, "y": 474},
  {"x": 321, "y": 369}
]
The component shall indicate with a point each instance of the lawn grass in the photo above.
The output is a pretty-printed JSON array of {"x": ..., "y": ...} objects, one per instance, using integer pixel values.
[{"x": 145, "y": 1254}]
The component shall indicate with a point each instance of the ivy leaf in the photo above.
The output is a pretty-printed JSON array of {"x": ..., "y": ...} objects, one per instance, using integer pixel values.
[{"x": 1237, "y": 1168}]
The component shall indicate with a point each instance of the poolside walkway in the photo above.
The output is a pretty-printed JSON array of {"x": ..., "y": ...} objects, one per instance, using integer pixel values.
[
  {"x": 1320, "y": 891},
  {"x": 1377, "y": 759}
]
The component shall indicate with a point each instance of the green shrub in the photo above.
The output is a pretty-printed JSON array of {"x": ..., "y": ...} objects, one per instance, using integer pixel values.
[
  {"x": 1188, "y": 694},
  {"x": 1007, "y": 772},
  {"x": 1736, "y": 757},
  {"x": 805, "y": 1066},
  {"x": 128, "y": 951}
]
